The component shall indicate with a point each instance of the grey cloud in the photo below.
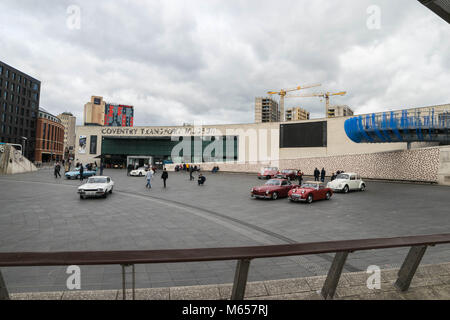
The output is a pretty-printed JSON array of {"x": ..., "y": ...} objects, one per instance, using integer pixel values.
[{"x": 180, "y": 61}]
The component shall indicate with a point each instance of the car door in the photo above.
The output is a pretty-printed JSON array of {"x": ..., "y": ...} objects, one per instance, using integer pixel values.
[
  {"x": 109, "y": 184},
  {"x": 284, "y": 188},
  {"x": 321, "y": 193},
  {"x": 353, "y": 182}
]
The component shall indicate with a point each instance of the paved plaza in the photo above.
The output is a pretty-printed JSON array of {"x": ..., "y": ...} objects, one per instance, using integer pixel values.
[{"x": 39, "y": 213}]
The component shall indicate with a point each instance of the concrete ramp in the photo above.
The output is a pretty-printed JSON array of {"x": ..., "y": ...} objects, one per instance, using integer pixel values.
[{"x": 12, "y": 161}]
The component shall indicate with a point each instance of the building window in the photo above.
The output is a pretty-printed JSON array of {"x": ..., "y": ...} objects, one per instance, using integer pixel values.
[{"x": 93, "y": 145}]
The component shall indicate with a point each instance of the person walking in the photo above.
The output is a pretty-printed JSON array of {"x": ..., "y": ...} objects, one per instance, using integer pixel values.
[
  {"x": 322, "y": 175},
  {"x": 316, "y": 174},
  {"x": 191, "y": 170},
  {"x": 81, "y": 172},
  {"x": 57, "y": 169},
  {"x": 164, "y": 176},
  {"x": 149, "y": 176},
  {"x": 101, "y": 168}
]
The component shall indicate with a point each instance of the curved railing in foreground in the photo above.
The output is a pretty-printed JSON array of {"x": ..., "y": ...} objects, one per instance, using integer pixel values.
[
  {"x": 400, "y": 126},
  {"x": 243, "y": 255}
]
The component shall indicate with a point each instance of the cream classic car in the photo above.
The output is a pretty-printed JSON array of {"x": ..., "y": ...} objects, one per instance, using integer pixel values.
[
  {"x": 346, "y": 182},
  {"x": 96, "y": 186}
]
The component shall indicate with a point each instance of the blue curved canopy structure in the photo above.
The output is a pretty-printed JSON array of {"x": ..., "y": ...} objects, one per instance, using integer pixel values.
[{"x": 403, "y": 126}]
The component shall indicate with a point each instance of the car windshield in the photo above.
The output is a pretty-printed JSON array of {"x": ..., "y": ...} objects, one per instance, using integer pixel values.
[
  {"x": 310, "y": 185},
  {"x": 97, "y": 180},
  {"x": 343, "y": 176},
  {"x": 273, "y": 182}
]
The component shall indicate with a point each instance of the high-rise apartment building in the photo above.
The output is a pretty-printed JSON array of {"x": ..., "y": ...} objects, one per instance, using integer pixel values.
[
  {"x": 339, "y": 111},
  {"x": 94, "y": 112},
  {"x": 97, "y": 112},
  {"x": 19, "y": 105},
  {"x": 69, "y": 122},
  {"x": 296, "y": 114},
  {"x": 266, "y": 110}
]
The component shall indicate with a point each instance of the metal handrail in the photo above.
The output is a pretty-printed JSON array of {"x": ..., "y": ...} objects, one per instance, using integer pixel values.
[{"x": 243, "y": 255}]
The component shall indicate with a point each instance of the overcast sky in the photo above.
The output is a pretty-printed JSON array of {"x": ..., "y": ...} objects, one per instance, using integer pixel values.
[{"x": 186, "y": 61}]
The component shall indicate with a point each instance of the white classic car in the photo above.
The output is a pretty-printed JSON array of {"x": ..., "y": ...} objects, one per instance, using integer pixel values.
[
  {"x": 347, "y": 181},
  {"x": 96, "y": 186},
  {"x": 140, "y": 172}
]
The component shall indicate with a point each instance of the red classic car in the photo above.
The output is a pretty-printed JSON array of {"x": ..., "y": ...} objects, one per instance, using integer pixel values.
[
  {"x": 273, "y": 189},
  {"x": 289, "y": 174},
  {"x": 310, "y": 191},
  {"x": 268, "y": 173}
]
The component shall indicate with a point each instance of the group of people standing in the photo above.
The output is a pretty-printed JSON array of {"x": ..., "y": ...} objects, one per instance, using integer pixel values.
[{"x": 319, "y": 175}]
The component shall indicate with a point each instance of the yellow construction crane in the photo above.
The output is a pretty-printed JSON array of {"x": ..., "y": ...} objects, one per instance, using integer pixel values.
[
  {"x": 282, "y": 93},
  {"x": 322, "y": 95}
]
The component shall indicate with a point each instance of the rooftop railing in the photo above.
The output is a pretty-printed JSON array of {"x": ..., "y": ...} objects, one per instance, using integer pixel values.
[{"x": 243, "y": 255}]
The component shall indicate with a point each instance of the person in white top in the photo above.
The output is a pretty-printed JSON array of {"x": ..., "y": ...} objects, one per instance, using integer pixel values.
[{"x": 149, "y": 176}]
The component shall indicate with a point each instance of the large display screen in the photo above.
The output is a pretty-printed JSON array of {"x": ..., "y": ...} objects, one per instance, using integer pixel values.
[
  {"x": 118, "y": 115},
  {"x": 303, "y": 135}
]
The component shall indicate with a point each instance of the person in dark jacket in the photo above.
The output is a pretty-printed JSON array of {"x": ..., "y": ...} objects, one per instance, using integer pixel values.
[
  {"x": 333, "y": 177},
  {"x": 57, "y": 169},
  {"x": 316, "y": 174},
  {"x": 164, "y": 176},
  {"x": 101, "y": 168},
  {"x": 81, "y": 172},
  {"x": 201, "y": 179},
  {"x": 322, "y": 175},
  {"x": 300, "y": 177},
  {"x": 191, "y": 170}
]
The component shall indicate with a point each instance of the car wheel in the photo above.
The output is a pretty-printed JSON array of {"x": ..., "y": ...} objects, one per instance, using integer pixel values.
[
  {"x": 328, "y": 196},
  {"x": 346, "y": 189},
  {"x": 309, "y": 199},
  {"x": 363, "y": 187},
  {"x": 275, "y": 196},
  {"x": 268, "y": 177},
  {"x": 140, "y": 174},
  {"x": 110, "y": 191},
  {"x": 81, "y": 197},
  {"x": 77, "y": 177},
  {"x": 105, "y": 195}
]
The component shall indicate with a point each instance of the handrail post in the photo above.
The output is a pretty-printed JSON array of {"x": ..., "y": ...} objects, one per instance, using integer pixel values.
[
  {"x": 240, "y": 279},
  {"x": 133, "y": 281},
  {"x": 334, "y": 274},
  {"x": 409, "y": 267},
  {"x": 4, "y": 295}
]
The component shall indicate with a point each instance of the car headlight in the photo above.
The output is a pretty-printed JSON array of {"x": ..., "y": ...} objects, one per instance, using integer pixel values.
[
  {"x": 81, "y": 190},
  {"x": 100, "y": 189},
  {"x": 267, "y": 192},
  {"x": 303, "y": 192}
]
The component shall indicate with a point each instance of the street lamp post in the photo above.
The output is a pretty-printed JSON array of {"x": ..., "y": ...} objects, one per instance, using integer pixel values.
[{"x": 24, "y": 141}]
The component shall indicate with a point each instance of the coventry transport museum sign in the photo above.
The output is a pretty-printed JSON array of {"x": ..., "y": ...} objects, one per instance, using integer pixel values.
[{"x": 159, "y": 131}]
